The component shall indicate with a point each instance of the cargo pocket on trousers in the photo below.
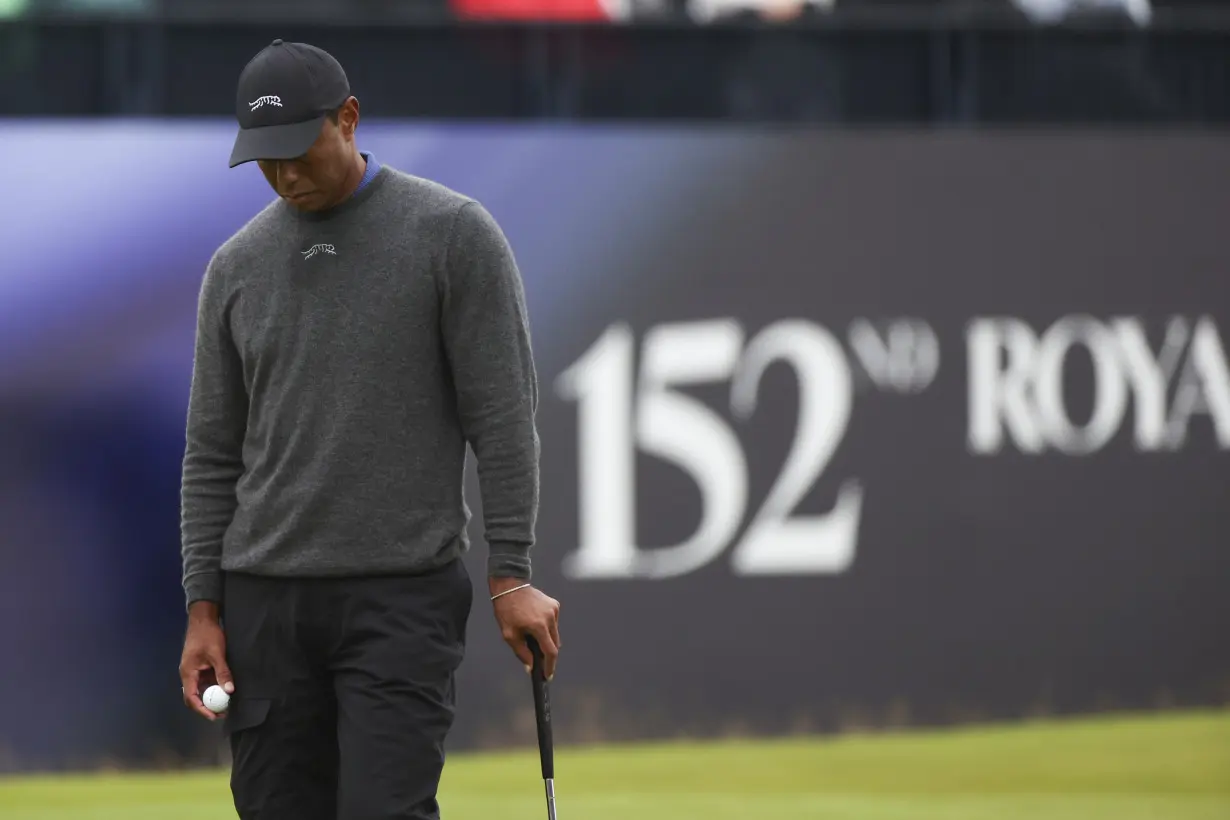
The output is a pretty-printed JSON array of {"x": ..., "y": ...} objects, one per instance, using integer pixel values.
[{"x": 245, "y": 713}]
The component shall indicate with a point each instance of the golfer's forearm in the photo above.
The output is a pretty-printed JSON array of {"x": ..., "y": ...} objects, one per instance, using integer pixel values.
[
  {"x": 508, "y": 481},
  {"x": 208, "y": 506},
  {"x": 212, "y": 467}
]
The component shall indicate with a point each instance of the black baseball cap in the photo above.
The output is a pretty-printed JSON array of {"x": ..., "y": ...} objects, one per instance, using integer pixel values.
[{"x": 284, "y": 93}]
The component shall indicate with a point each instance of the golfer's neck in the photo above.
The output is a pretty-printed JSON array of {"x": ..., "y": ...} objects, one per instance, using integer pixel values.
[{"x": 358, "y": 167}]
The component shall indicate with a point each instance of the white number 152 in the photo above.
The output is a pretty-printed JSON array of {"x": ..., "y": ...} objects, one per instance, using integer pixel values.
[{"x": 615, "y": 419}]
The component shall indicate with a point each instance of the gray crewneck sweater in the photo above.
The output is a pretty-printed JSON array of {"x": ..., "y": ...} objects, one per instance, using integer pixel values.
[{"x": 343, "y": 360}]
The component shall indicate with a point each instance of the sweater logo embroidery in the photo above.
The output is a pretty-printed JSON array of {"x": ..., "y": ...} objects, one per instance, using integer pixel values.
[
  {"x": 316, "y": 249},
  {"x": 261, "y": 102}
]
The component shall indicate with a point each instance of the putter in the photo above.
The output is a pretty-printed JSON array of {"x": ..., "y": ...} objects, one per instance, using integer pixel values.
[{"x": 542, "y": 716}]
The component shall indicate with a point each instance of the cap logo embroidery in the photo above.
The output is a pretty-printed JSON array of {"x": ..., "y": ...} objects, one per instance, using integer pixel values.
[
  {"x": 260, "y": 102},
  {"x": 315, "y": 249}
]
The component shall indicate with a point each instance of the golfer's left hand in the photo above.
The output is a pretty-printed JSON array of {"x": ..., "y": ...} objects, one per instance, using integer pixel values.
[{"x": 527, "y": 612}]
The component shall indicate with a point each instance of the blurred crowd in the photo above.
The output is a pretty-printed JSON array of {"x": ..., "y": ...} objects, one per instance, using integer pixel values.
[
  {"x": 1138, "y": 12},
  {"x": 882, "y": 61}
]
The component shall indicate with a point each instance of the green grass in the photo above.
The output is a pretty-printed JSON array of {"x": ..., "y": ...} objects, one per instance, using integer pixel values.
[{"x": 1171, "y": 767}]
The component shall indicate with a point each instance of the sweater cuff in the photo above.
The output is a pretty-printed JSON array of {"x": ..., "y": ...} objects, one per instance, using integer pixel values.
[
  {"x": 506, "y": 559},
  {"x": 203, "y": 586}
]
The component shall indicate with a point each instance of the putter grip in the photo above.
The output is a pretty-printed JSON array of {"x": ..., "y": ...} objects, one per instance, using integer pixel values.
[{"x": 542, "y": 711}]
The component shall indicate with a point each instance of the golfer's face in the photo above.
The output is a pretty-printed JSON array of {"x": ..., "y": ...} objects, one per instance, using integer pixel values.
[
  {"x": 295, "y": 180},
  {"x": 309, "y": 182}
]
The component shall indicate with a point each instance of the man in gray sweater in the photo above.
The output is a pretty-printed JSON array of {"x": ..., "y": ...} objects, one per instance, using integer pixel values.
[{"x": 352, "y": 338}]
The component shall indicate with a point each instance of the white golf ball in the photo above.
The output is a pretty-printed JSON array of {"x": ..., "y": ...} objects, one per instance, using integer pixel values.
[{"x": 215, "y": 699}]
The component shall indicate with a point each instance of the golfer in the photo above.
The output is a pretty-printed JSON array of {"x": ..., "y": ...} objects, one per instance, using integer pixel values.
[{"x": 351, "y": 339}]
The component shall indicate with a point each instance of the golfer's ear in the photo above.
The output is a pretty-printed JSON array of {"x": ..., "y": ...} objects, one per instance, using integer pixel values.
[{"x": 348, "y": 117}]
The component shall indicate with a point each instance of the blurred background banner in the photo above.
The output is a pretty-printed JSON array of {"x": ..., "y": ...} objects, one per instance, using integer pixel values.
[{"x": 875, "y": 429}]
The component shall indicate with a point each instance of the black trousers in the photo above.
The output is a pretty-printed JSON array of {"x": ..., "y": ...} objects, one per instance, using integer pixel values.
[{"x": 344, "y": 692}]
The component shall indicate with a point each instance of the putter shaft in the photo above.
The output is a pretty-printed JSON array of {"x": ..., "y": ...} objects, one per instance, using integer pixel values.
[{"x": 550, "y": 782}]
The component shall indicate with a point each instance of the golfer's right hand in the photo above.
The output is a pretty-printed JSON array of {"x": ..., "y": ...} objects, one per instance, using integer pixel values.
[{"x": 204, "y": 660}]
